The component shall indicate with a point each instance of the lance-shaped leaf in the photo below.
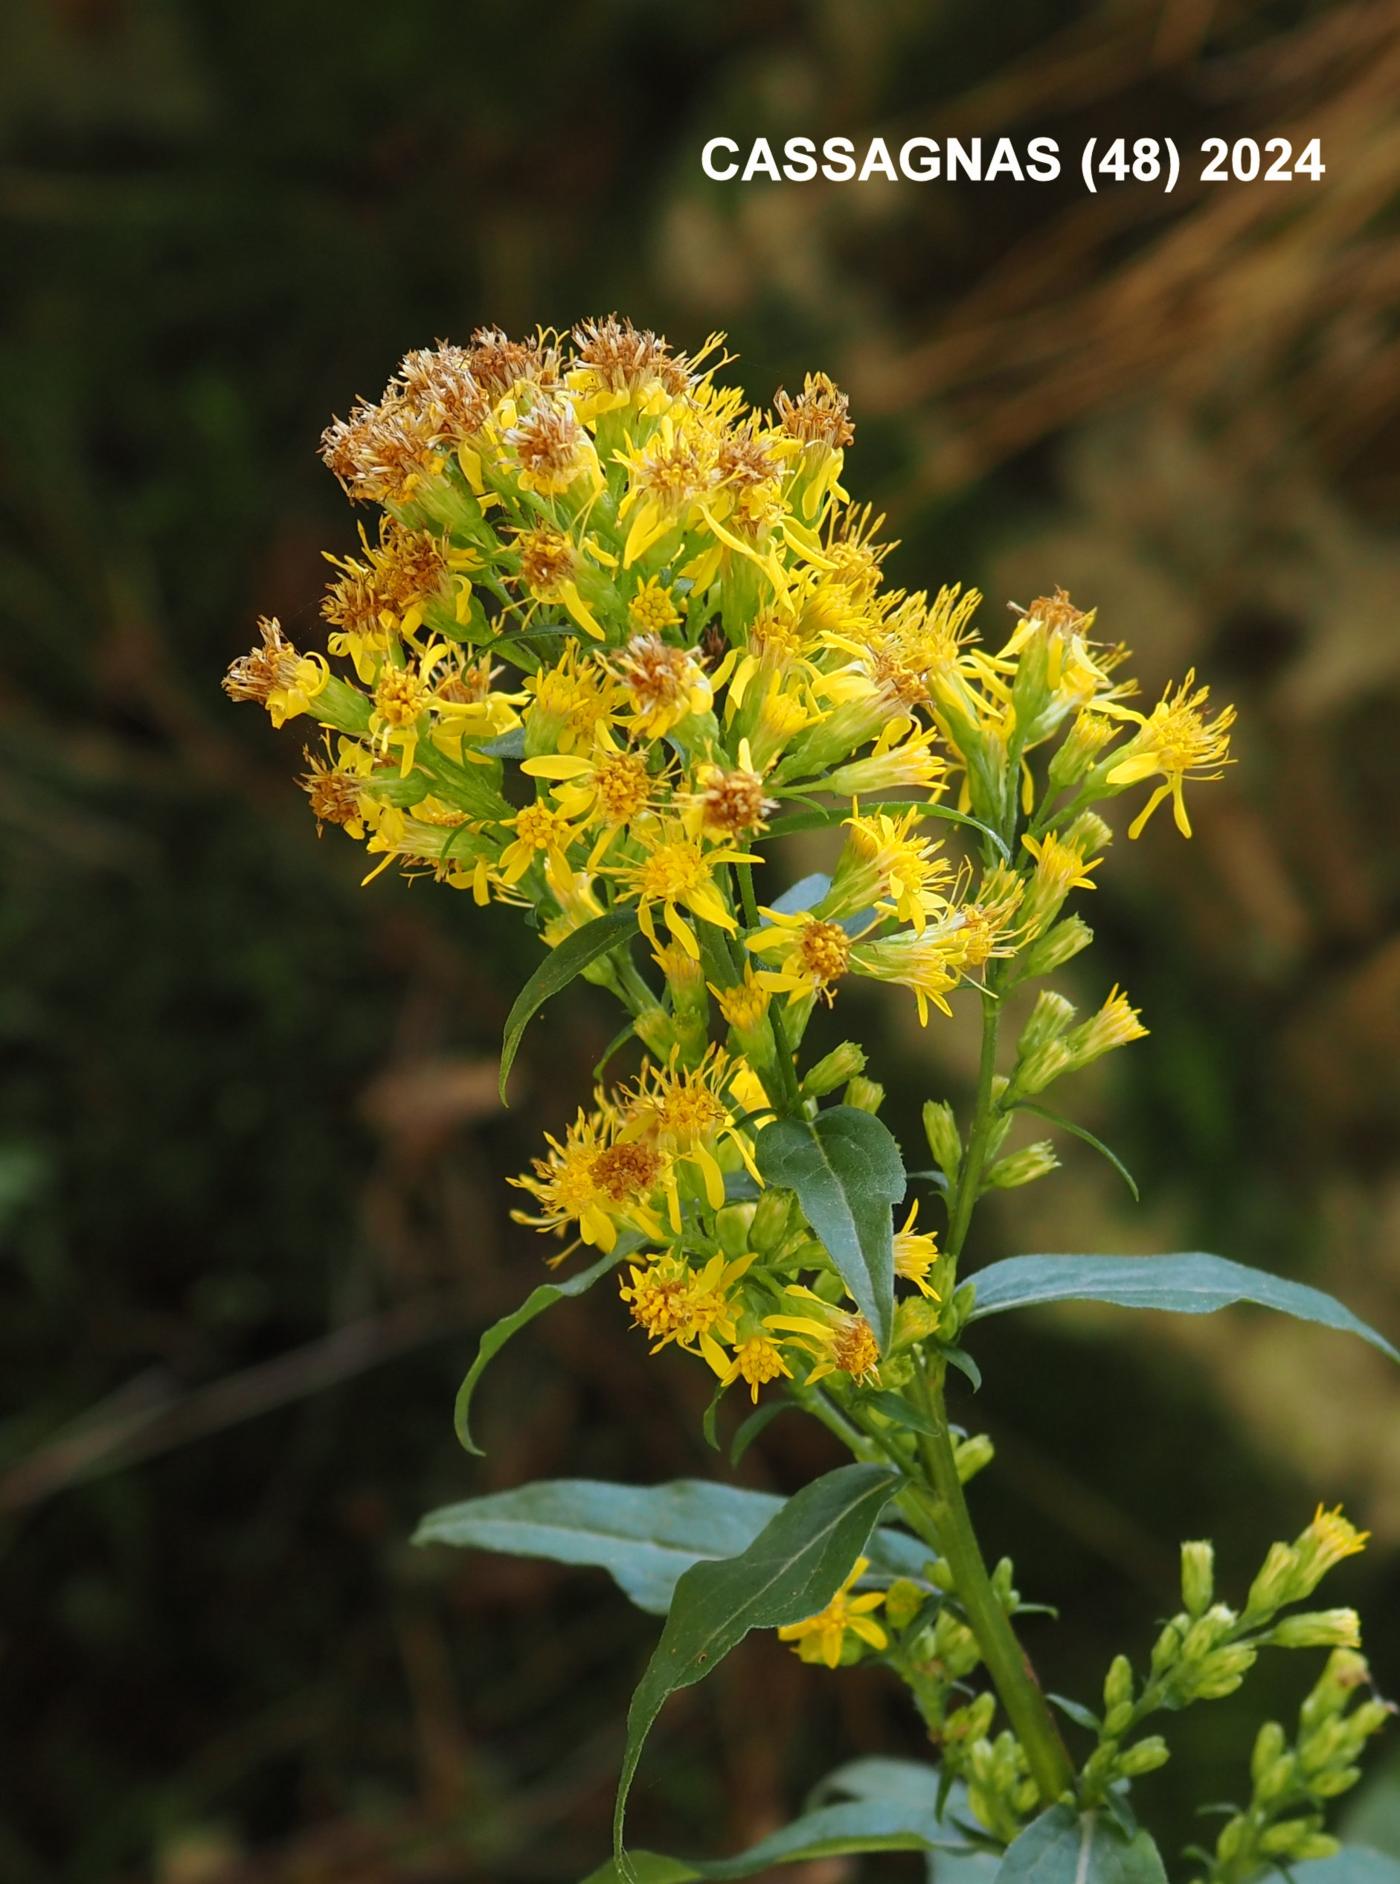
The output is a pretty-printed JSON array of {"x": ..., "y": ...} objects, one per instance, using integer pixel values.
[
  {"x": 833, "y": 1831},
  {"x": 535, "y": 1303},
  {"x": 644, "y": 1536},
  {"x": 561, "y": 966},
  {"x": 1061, "y": 1847},
  {"x": 848, "y": 1175},
  {"x": 791, "y": 1570},
  {"x": 1187, "y": 1284}
]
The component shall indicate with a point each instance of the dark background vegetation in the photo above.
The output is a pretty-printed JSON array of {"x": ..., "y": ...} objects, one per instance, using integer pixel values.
[{"x": 251, "y": 1163}]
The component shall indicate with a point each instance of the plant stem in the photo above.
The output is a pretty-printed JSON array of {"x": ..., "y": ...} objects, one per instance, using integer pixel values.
[
  {"x": 1006, "y": 1660},
  {"x": 1007, "y": 1663},
  {"x": 983, "y": 1119},
  {"x": 786, "y": 1071}
]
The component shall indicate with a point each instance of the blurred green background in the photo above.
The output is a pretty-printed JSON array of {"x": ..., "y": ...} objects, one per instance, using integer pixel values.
[{"x": 250, "y": 1156}]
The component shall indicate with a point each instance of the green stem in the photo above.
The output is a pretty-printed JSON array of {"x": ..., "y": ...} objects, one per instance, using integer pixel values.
[
  {"x": 1015, "y": 1681},
  {"x": 983, "y": 1119},
  {"x": 1026, "y": 1707},
  {"x": 786, "y": 1071}
]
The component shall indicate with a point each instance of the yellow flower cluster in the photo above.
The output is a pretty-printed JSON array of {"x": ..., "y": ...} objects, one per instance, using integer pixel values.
[{"x": 613, "y": 633}]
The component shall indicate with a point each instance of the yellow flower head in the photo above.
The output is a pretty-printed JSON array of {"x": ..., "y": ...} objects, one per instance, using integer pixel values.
[
  {"x": 835, "y": 1341},
  {"x": 672, "y": 1301},
  {"x": 812, "y": 955},
  {"x": 652, "y": 608},
  {"x": 686, "y": 1112},
  {"x": 884, "y": 864},
  {"x": 1175, "y": 741},
  {"x": 665, "y": 685},
  {"x": 276, "y": 675},
  {"x": 596, "y": 1179},
  {"x": 915, "y": 1253},
  {"x": 677, "y": 874},
  {"x": 569, "y": 703},
  {"x": 756, "y": 1361},
  {"x": 822, "y": 1638}
]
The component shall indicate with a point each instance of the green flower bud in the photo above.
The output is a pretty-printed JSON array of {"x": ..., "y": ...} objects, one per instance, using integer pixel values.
[
  {"x": 867, "y": 1095},
  {"x": 1003, "y": 1582},
  {"x": 1056, "y": 947},
  {"x": 1269, "y": 1744},
  {"x": 1022, "y": 1167},
  {"x": 1118, "y": 1720},
  {"x": 1167, "y": 1648},
  {"x": 1040, "y": 1069},
  {"x": 1088, "y": 833},
  {"x": 1276, "y": 1583},
  {"x": 1086, "y": 739},
  {"x": 1346, "y": 1671},
  {"x": 1276, "y": 1779},
  {"x": 1145, "y": 1757},
  {"x": 1049, "y": 1018},
  {"x": 1332, "y": 1785},
  {"x": 732, "y": 1229},
  {"x": 972, "y": 1455},
  {"x": 1318, "y": 1628},
  {"x": 903, "y": 1601},
  {"x": 1197, "y": 1577},
  {"x": 1206, "y": 1631},
  {"x": 944, "y": 1143},
  {"x": 1219, "y": 1674},
  {"x": 1118, "y": 1683},
  {"x": 771, "y": 1218},
  {"x": 834, "y": 1069}
]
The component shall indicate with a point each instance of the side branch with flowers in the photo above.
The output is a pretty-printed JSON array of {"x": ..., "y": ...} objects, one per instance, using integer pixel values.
[{"x": 614, "y": 635}]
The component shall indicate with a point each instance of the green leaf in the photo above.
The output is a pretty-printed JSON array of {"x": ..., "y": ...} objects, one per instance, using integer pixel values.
[
  {"x": 1060, "y": 1847},
  {"x": 1077, "y": 1712},
  {"x": 790, "y": 1571},
  {"x": 1188, "y": 1284},
  {"x": 817, "y": 816},
  {"x": 832, "y": 1831},
  {"x": 904, "y": 1414},
  {"x": 556, "y": 971},
  {"x": 644, "y": 1536},
  {"x": 1353, "y": 1864},
  {"x": 535, "y": 1303},
  {"x": 1082, "y": 1131},
  {"x": 847, "y": 1173},
  {"x": 963, "y": 1361},
  {"x": 802, "y": 895}
]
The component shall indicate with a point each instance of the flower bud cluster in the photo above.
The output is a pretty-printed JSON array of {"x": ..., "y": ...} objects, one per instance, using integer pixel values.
[
  {"x": 1204, "y": 1652},
  {"x": 1293, "y": 1782}
]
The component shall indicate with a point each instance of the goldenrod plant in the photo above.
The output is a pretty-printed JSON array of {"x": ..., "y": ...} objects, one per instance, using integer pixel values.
[{"x": 612, "y": 636}]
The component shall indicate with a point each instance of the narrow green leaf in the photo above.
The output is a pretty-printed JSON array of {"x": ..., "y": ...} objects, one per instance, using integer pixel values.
[
  {"x": 1186, "y": 1284},
  {"x": 818, "y": 816},
  {"x": 644, "y": 1536},
  {"x": 790, "y": 1571},
  {"x": 1082, "y": 1131},
  {"x": 963, "y": 1361},
  {"x": 833, "y": 1831},
  {"x": 535, "y": 1303},
  {"x": 847, "y": 1174},
  {"x": 904, "y": 1414},
  {"x": 1060, "y": 1847},
  {"x": 556, "y": 971},
  {"x": 1077, "y": 1712}
]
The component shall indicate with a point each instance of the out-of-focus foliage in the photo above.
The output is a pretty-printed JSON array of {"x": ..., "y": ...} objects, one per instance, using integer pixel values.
[{"x": 249, "y": 1143}]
